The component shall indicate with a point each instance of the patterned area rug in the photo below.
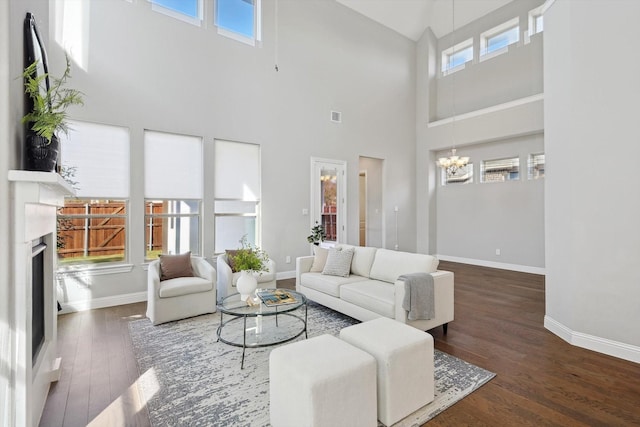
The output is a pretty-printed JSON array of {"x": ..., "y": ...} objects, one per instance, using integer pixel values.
[{"x": 189, "y": 379}]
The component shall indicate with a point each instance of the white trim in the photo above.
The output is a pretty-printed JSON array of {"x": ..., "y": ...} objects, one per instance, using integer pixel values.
[
  {"x": 493, "y": 264},
  {"x": 84, "y": 305},
  {"x": 592, "y": 342},
  {"x": 92, "y": 270},
  {"x": 488, "y": 110}
]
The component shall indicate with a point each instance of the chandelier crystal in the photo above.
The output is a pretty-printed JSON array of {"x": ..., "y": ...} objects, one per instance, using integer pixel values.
[{"x": 453, "y": 163}]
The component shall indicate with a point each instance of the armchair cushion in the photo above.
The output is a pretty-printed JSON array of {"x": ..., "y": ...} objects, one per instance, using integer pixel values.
[
  {"x": 173, "y": 266},
  {"x": 183, "y": 286}
]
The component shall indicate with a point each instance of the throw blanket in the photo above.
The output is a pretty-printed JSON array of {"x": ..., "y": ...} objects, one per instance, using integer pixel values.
[{"x": 418, "y": 296}]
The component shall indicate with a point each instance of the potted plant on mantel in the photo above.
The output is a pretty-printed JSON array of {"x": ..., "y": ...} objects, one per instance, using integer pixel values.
[
  {"x": 48, "y": 116},
  {"x": 249, "y": 260}
]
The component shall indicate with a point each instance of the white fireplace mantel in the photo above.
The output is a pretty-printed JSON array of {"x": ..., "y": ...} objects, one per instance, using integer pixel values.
[{"x": 35, "y": 197}]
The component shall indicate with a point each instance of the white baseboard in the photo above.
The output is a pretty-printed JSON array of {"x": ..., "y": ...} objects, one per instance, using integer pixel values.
[
  {"x": 286, "y": 275},
  {"x": 492, "y": 264},
  {"x": 73, "y": 306},
  {"x": 592, "y": 342}
]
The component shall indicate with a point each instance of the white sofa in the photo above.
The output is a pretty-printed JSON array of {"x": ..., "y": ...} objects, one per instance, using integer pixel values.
[
  {"x": 227, "y": 279},
  {"x": 372, "y": 290}
]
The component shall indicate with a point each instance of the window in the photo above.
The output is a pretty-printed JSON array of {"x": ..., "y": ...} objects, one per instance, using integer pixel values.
[
  {"x": 173, "y": 193},
  {"x": 454, "y": 58},
  {"x": 536, "y": 21},
  {"x": 496, "y": 40},
  {"x": 500, "y": 170},
  {"x": 185, "y": 10},
  {"x": 239, "y": 20},
  {"x": 536, "y": 166},
  {"x": 92, "y": 227},
  {"x": 237, "y": 194},
  {"x": 463, "y": 175}
]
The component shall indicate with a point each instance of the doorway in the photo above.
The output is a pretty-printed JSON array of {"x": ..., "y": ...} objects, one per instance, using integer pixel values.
[
  {"x": 371, "y": 213},
  {"x": 328, "y": 198}
]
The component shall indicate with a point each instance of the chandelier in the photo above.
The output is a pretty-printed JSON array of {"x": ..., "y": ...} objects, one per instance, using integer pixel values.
[{"x": 453, "y": 163}]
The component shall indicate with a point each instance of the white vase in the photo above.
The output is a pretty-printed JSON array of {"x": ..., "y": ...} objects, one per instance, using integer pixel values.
[{"x": 246, "y": 284}]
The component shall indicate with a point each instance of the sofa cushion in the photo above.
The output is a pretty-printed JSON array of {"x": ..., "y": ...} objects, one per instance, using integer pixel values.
[
  {"x": 363, "y": 257},
  {"x": 373, "y": 295},
  {"x": 183, "y": 286},
  {"x": 329, "y": 285},
  {"x": 338, "y": 262},
  {"x": 319, "y": 260},
  {"x": 172, "y": 266},
  {"x": 388, "y": 264}
]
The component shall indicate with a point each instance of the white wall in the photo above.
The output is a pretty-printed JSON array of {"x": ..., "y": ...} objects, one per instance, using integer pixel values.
[
  {"x": 153, "y": 72},
  {"x": 499, "y": 113},
  {"x": 477, "y": 218},
  {"x": 592, "y": 199}
]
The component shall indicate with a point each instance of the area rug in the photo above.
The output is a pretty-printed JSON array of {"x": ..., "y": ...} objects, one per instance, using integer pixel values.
[{"x": 189, "y": 379}]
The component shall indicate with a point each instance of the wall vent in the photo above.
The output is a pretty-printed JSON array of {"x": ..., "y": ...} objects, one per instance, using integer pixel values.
[{"x": 336, "y": 117}]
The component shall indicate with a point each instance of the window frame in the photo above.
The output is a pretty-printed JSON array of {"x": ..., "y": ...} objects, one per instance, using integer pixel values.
[
  {"x": 234, "y": 35},
  {"x": 534, "y": 15},
  {"x": 148, "y": 222},
  {"x": 81, "y": 264},
  {"x": 445, "y": 67},
  {"x": 494, "y": 32},
  {"x": 193, "y": 20},
  {"x": 532, "y": 166},
  {"x": 506, "y": 175},
  {"x": 223, "y": 213}
]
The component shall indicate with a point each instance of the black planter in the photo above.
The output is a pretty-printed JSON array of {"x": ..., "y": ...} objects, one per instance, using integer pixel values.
[{"x": 40, "y": 154}]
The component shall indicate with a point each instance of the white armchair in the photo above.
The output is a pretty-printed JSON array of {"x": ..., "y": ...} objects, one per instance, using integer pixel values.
[
  {"x": 227, "y": 279},
  {"x": 181, "y": 297}
]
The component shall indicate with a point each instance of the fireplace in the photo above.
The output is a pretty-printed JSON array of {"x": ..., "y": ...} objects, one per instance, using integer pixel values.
[
  {"x": 38, "y": 318},
  {"x": 35, "y": 197}
]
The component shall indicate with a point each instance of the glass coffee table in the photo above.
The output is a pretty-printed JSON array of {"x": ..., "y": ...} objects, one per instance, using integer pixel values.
[{"x": 258, "y": 325}]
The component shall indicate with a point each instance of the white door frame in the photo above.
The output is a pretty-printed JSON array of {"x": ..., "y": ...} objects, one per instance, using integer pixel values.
[{"x": 317, "y": 164}]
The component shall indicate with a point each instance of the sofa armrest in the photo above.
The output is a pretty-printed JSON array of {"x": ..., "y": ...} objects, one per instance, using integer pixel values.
[
  {"x": 224, "y": 276},
  {"x": 443, "y": 296},
  {"x": 303, "y": 265}
]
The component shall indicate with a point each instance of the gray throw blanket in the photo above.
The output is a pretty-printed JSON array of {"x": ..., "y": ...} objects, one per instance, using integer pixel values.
[{"x": 418, "y": 296}]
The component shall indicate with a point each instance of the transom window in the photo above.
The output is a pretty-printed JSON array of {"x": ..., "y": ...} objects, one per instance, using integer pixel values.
[
  {"x": 464, "y": 175},
  {"x": 536, "y": 21},
  {"x": 185, "y": 10},
  {"x": 454, "y": 58},
  {"x": 500, "y": 170},
  {"x": 239, "y": 19},
  {"x": 536, "y": 166},
  {"x": 498, "y": 38}
]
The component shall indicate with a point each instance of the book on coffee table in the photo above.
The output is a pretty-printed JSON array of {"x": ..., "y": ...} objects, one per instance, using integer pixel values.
[{"x": 276, "y": 297}]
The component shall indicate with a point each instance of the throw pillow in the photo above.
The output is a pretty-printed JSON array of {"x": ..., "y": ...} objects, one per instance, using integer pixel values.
[
  {"x": 319, "y": 260},
  {"x": 338, "y": 262},
  {"x": 173, "y": 266}
]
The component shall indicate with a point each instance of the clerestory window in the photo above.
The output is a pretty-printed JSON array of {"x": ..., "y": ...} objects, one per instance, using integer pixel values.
[{"x": 239, "y": 20}]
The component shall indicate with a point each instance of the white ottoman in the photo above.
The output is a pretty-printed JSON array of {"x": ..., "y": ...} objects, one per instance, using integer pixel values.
[
  {"x": 405, "y": 365},
  {"x": 322, "y": 382}
]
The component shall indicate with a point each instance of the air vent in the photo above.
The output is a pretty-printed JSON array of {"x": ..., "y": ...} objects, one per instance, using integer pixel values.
[{"x": 336, "y": 117}]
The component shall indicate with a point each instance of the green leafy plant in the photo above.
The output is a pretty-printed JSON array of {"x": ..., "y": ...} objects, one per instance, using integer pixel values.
[
  {"x": 317, "y": 234},
  {"x": 49, "y": 113},
  {"x": 250, "y": 257}
]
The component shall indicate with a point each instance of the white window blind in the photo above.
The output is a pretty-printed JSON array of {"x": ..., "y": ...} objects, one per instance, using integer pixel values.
[
  {"x": 98, "y": 155},
  {"x": 237, "y": 171},
  {"x": 172, "y": 166}
]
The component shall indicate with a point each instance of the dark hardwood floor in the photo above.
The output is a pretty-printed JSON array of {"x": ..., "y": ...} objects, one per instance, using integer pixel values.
[{"x": 541, "y": 380}]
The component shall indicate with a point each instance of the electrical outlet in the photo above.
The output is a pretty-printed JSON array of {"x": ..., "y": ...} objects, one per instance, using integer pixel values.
[
  {"x": 288, "y": 259},
  {"x": 497, "y": 251}
]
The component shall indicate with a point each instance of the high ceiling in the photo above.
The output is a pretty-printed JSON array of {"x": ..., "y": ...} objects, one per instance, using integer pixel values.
[{"x": 411, "y": 17}]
